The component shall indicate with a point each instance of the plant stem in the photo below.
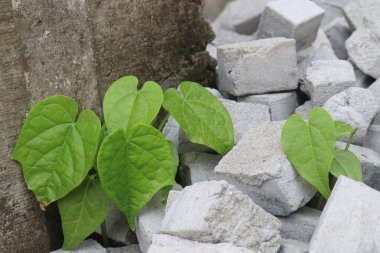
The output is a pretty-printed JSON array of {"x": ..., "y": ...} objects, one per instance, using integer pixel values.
[
  {"x": 163, "y": 122},
  {"x": 103, "y": 228},
  {"x": 350, "y": 139}
]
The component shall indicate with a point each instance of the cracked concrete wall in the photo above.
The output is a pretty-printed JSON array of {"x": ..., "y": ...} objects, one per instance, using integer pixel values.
[{"x": 77, "y": 48}]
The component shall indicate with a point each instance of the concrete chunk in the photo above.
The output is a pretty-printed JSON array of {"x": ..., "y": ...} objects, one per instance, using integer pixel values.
[
  {"x": 134, "y": 248},
  {"x": 257, "y": 67},
  {"x": 363, "y": 47},
  {"x": 214, "y": 211},
  {"x": 375, "y": 88},
  {"x": 350, "y": 221},
  {"x": 258, "y": 161},
  {"x": 363, "y": 13},
  {"x": 324, "y": 79},
  {"x": 88, "y": 246},
  {"x": 293, "y": 246},
  {"x": 338, "y": 31},
  {"x": 304, "y": 109},
  {"x": 300, "y": 225},
  {"x": 296, "y": 19},
  {"x": 173, "y": 244},
  {"x": 356, "y": 106},
  {"x": 372, "y": 139},
  {"x": 281, "y": 105}
]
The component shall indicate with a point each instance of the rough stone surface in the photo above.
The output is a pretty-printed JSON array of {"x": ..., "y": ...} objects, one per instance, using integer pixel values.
[
  {"x": 173, "y": 195},
  {"x": 173, "y": 244},
  {"x": 88, "y": 246},
  {"x": 300, "y": 225},
  {"x": 258, "y": 161},
  {"x": 245, "y": 14},
  {"x": 372, "y": 140},
  {"x": 324, "y": 79},
  {"x": 297, "y": 19},
  {"x": 359, "y": 223},
  {"x": 171, "y": 130},
  {"x": 214, "y": 211},
  {"x": 363, "y": 13},
  {"x": 375, "y": 88},
  {"x": 127, "y": 249},
  {"x": 293, "y": 246},
  {"x": 23, "y": 226},
  {"x": 356, "y": 106},
  {"x": 304, "y": 109},
  {"x": 370, "y": 161},
  {"x": 257, "y": 67},
  {"x": 281, "y": 105},
  {"x": 364, "y": 50},
  {"x": 338, "y": 31}
]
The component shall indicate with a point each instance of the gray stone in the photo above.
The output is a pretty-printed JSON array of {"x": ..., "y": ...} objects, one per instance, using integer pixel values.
[
  {"x": 333, "y": 9},
  {"x": 297, "y": 19},
  {"x": 356, "y": 106},
  {"x": 258, "y": 163},
  {"x": 134, "y": 248},
  {"x": 293, "y": 246},
  {"x": 304, "y": 109},
  {"x": 281, "y": 105},
  {"x": 300, "y": 225},
  {"x": 214, "y": 211},
  {"x": 372, "y": 140},
  {"x": 363, "y": 13},
  {"x": 226, "y": 37},
  {"x": 370, "y": 162},
  {"x": 362, "y": 80},
  {"x": 171, "y": 131},
  {"x": 88, "y": 246},
  {"x": 352, "y": 210},
  {"x": 245, "y": 14},
  {"x": 149, "y": 222},
  {"x": 173, "y": 195},
  {"x": 364, "y": 50},
  {"x": 375, "y": 88},
  {"x": 173, "y": 244},
  {"x": 257, "y": 67},
  {"x": 338, "y": 31},
  {"x": 325, "y": 79}
]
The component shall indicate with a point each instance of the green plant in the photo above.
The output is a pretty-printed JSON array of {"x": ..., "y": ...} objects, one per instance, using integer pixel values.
[
  {"x": 84, "y": 165},
  {"x": 311, "y": 148}
]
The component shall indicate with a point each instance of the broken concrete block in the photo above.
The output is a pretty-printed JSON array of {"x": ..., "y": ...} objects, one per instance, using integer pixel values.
[
  {"x": 214, "y": 211},
  {"x": 293, "y": 246},
  {"x": 88, "y": 246},
  {"x": 134, "y": 248},
  {"x": 363, "y": 13},
  {"x": 304, "y": 110},
  {"x": 356, "y": 106},
  {"x": 171, "y": 131},
  {"x": 300, "y": 225},
  {"x": 245, "y": 14},
  {"x": 338, "y": 31},
  {"x": 297, "y": 19},
  {"x": 372, "y": 140},
  {"x": 257, "y": 67},
  {"x": 370, "y": 162},
  {"x": 375, "y": 88},
  {"x": 173, "y": 195},
  {"x": 352, "y": 210},
  {"x": 258, "y": 161},
  {"x": 149, "y": 222},
  {"x": 281, "y": 105},
  {"x": 172, "y": 244},
  {"x": 363, "y": 47},
  {"x": 324, "y": 79}
]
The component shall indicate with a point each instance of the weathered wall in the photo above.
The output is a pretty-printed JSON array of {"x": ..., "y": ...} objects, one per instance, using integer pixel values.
[{"x": 77, "y": 48}]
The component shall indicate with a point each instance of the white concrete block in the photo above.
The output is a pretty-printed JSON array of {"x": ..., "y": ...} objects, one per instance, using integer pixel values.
[
  {"x": 372, "y": 140},
  {"x": 363, "y": 13},
  {"x": 293, "y": 246},
  {"x": 338, "y": 31},
  {"x": 304, "y": 110},
  {"x": 88, "y": 246},
  {"x": 375, "y": 88}
]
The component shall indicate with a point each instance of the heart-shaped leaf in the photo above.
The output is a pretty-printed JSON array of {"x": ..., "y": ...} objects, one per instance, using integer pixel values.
[
  {"x": 125, "y": 106},
  {"x": 134, "y": 166},
  {"x": 201, "y": 115},
  {"x": 55, "y": 151},
  {"x": 310, "y": 147},
  {"x": 342, "y": 129},
  {"x": 165, "y": 191},
  {"x": 82, "y": 211},
  {"x": 345, "y": 163}
]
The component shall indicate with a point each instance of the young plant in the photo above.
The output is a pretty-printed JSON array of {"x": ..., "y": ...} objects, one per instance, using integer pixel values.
[
  {"x": 84, "y": 165},
  {"x": 311, "y": 148}
]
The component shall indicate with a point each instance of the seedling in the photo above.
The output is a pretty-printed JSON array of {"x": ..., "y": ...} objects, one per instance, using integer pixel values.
[
  {"x": 84, "y": 165},
  {"x": 311, "y": 148}
]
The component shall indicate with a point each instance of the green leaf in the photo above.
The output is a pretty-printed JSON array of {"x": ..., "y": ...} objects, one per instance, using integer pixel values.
[
  {"x": 342, "y": 129},
  {"x": 82, "y": 211},
  {"x": 165, "y": 191},
  {"x": 310, "y": 147},
  {"x": 55, "y": 152},
  {"x": 345, "y": 163},
  {"x": 125, "y": 106},
  {"x": 134, "y": 166},
  {"x": 201, "y": 115}
]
